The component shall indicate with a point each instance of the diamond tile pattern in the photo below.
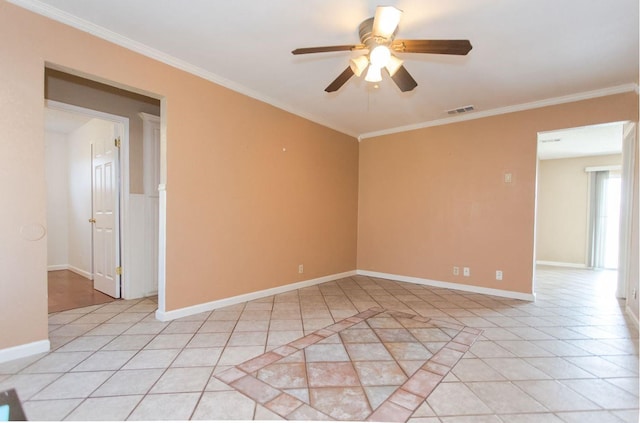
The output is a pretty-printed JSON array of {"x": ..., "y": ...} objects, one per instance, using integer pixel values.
[
  {"x": 358, "y": 348},
  {"x": 333, "y": 366}
]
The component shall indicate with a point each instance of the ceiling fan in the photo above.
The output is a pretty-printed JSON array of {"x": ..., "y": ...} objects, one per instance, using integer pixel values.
[{"x": 377, "y": 35}]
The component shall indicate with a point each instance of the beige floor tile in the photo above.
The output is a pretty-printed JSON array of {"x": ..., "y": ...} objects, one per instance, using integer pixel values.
[
  {"x": 264, "y": 414},
  {"x": 129, "y": 382},
  {"x": 128, "y": 342},
  {"x": 104, "y": 360},
  {"x": 237, "y": 355},
  {"x": 51, "y": 410},
  {"x": 87, "y": 343},
  {"x": 489, "y": 349},
  {"x": 600, "y": 367},
  {"x": 505, "y": 398},
  {"x": 73, "y": 385},
  {"x": 558, "y": 368},
  {"x": 110, "y": 329},
  {"x": 603, "y": 393},
  {"x": 146, "y": 328},
  {"x": 188, "y": 379},
  {"x": 530, "y": 418},
  {"x": 589, "y": 417},
  {"x": 225, "y": 405},
  {"x": 167, "y": 341},
  {"x": 165, "y": 407},
  {"x": 197, "y": 357},
  {"x": 555, "y": 396},
  {"x": 27, "y": 385},
  {"x": 475, "y": 370},
  {"x": 627, "y": 416},
  {"x": 471, "y": 419},
  {"x": 108, "y": 408},
  {"x": 629, "y": 384},
  {"x": 189, "y": 327},
  {"x": 152, "y": 359},
  {"x": 57, "y": 362},
  {"x": 524, "y": 349},
  {"x": 515, "y": 369},
  {"x": 208, "y": 340},
  {"x": 450, "y": 399},
  {"x": 239, "y": 339}
]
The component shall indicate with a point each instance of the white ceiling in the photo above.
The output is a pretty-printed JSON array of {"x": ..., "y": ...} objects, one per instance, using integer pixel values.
[
  {"x": 596, "y": 140},
  {"x": 523, "y": 51},
  {"x": 63, "y": 122}
]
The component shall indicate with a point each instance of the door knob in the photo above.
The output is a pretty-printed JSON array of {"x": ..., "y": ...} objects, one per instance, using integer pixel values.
[{"x": 92, "y": 220}]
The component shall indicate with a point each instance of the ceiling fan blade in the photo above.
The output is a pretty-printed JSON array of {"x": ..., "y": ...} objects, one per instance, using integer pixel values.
[
  {"x": 307, "y": 50},
  {"x": 385, "y": 21},
  {"x": 456, "y": 47},
  {"x": 340, "y": 80},
  {"x": 404, "y": 80}
]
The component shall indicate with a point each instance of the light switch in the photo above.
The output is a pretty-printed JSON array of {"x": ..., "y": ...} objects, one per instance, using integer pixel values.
[{"x": 508, "y": 178}]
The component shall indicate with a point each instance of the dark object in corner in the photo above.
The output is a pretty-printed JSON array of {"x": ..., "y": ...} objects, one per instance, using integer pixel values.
[{"x": 10, "y": 406}]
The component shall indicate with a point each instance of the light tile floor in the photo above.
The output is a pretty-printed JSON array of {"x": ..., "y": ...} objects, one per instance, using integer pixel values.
[{"x": 572, "y": 356}]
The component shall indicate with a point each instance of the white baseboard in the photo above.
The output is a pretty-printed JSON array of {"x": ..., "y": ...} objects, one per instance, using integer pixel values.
[
  {"x": 165, "y": 316},
  {"x": 451, "y": 285},
  {"x": 81, "y": 272},
  {"x": 71, "y": 268},
  {"x": 25, "y": 350},
  {"x": 562, "y": 264},
  {"x": 54, "y": 267}
]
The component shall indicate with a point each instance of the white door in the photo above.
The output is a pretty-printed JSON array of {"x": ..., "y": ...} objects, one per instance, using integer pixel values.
[{"x": 106, "y": 220}]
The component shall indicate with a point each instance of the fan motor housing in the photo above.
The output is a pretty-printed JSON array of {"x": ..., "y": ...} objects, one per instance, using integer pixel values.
[{"x": 365, "y": 30}]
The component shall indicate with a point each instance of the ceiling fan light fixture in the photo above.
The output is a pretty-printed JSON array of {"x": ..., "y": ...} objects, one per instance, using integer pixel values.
[
  {"x": 380, "y": 56},
  {"x": 393, "y": 65},
  {"x": 386, "y": 21},
  {"x": 358, "y": 65},
  {"x": 374, "y": 74}
]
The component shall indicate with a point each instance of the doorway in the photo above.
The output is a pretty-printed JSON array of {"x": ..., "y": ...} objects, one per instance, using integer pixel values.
[
  {"x": 85, "y": 190},
  {"x": 578, "y": 197},
  {"x": 135, "y": 228}
]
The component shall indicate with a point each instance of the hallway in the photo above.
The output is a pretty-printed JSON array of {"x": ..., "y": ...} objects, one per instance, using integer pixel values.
[{"x": 68, "y": 290}]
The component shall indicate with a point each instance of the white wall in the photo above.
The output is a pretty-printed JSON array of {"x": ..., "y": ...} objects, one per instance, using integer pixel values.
[{"x": 56, "y": 174}]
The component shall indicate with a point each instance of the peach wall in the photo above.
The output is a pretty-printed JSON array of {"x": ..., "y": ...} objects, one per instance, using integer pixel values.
[
  {"x": 435, "y": 198},
  {"x": 241, "y": 213}
]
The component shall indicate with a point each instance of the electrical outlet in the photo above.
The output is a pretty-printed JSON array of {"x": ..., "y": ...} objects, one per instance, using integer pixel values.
[
  {"x": 301, "y": 268},
  {"x": 498, "y": 275},
  {"x": 466, "y": 271},
  {"x": 456, "y": 270}
]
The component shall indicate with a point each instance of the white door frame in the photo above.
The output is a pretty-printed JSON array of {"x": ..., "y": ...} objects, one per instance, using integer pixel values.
[
  {"x": 622, "y": 286},
  {"x": 125, "y": 239}
]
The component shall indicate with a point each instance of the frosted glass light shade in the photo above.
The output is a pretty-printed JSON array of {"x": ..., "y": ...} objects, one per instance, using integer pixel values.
[
  {"x": 393, "y": 65},
  {"x": 358, "y": 64},
  {"x": 374, "y": 74},
  {"x": 379, "y": 56}
]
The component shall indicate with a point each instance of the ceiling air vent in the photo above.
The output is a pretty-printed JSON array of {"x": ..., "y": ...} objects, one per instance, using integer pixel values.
[{"x": 458, "y": 110}]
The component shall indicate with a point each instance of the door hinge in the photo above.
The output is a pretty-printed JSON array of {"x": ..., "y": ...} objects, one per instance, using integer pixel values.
[
  {"x": 119, "y": 270},
  {"x": 117, "y": 142}
]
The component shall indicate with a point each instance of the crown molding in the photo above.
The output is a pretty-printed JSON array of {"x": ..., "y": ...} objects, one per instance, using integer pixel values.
[
  {"x": 51, "y": 12},
  {"x": 620, "y": 89}
]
